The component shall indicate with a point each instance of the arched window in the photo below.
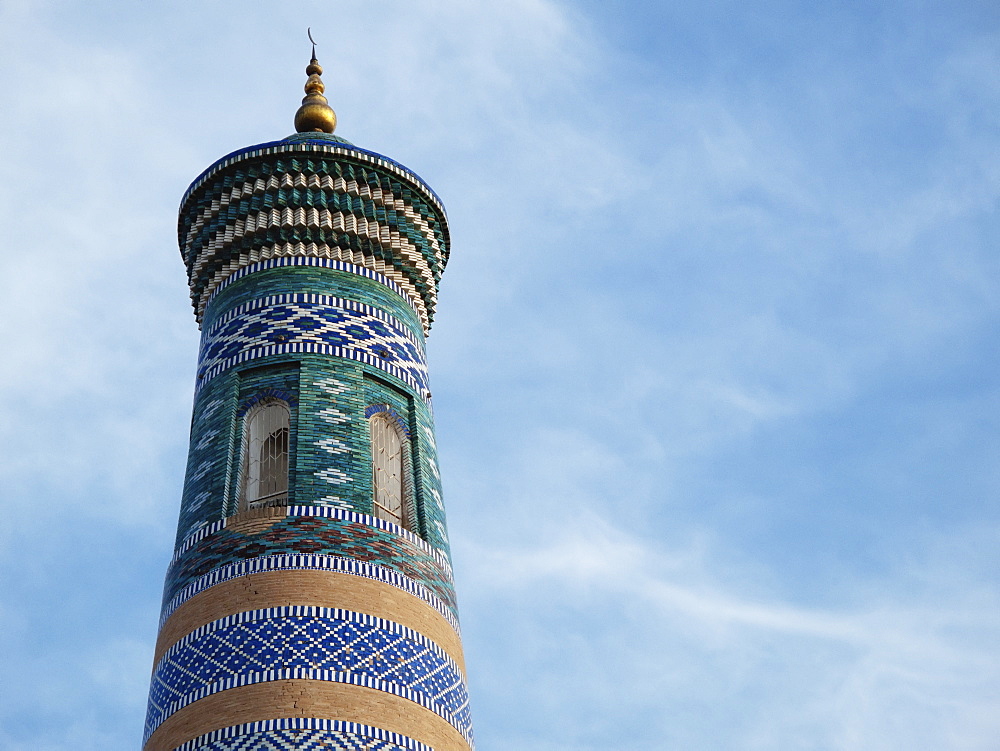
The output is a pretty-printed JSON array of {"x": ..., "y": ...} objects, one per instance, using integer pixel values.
[
  {"x": 265, "y": 455},
  {"x": 389, "y": 470}
]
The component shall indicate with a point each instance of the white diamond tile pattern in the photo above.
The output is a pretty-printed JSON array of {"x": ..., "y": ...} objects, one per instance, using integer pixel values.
[
  {"x": 313, "y": 643},
  {"x": 313, "y": 323}
]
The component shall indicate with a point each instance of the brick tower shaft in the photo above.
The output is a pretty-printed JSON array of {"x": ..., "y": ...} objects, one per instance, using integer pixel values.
[{"x": 310, "y": 602}]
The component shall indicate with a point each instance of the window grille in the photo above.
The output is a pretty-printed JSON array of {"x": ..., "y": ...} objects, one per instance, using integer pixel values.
[
  {"x": 265, "y": 456},
  {"x": 388, "y": 470}
]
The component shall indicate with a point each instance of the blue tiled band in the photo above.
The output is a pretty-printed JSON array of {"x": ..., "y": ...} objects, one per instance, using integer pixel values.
[
  {"x": 316, "y": 324},
  {"x": 303, "y": 734},
  {"x": 312, "y": 643},
  {"x": 311, "y": 298}
]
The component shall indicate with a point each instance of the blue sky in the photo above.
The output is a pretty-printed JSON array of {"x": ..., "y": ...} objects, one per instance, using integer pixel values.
[{"x": 715, "y": 366}]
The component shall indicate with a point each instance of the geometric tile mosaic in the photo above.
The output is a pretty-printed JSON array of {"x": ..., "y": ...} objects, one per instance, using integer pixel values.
[
  {"x": 328, "y": 513},
  {"x": 322, "y": 299},
  {"x": 314, "y": 262},
  {"x": 311, "y": 200},
  {"x": 300, "y": 740},
  {"x": 327, "y": 644},
  {"x": 314, "y": 537},
  {"x": 303, "y": 734},
  {"x": 313, "y": 323}
]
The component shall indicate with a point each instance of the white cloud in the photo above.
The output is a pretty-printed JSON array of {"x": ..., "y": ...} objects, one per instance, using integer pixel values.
[{"x": 886, "y": 671}]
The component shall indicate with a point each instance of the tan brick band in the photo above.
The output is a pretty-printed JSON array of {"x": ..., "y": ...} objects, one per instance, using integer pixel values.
[
  {"x": 305, "y": 698},
  {"x": 255, "y": 521},
  {"x": 326, "y": 589}
]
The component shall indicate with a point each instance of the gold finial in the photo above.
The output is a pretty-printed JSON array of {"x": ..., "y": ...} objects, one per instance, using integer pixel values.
[{"x": 315, "y": 114}]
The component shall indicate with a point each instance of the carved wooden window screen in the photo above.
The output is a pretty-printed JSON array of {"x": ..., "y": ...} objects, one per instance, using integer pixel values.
[{"x": 388, "y": 470}]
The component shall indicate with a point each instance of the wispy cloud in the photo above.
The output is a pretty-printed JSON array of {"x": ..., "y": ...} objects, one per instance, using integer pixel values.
[{"x": 887, "y": 668}]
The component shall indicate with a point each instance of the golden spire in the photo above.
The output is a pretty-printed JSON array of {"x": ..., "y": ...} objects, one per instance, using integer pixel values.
[{"x": 315, "y": 114}]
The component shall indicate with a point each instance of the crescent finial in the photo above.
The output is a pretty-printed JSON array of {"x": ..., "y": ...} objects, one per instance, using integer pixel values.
[{"x": 315, "y": 114}]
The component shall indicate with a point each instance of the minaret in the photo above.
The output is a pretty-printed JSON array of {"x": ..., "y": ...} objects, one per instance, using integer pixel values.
[{"x": 309, "y": 602}]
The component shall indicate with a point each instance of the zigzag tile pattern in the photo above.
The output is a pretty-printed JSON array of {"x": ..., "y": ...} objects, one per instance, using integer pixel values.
[
  {"x": 329, "y": 201},
  {"x": 301, "y": 740},
  {"x": 303, "y": 734},
  {"x": 315, "y": 643}
]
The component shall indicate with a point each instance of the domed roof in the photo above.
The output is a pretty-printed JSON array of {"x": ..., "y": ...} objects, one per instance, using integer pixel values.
[{"x": 315, "y": 137}]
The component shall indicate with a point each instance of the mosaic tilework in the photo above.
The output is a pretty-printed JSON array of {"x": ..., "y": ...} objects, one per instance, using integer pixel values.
[
  {"x": 347, "y": 189},
  {"x": 330, "y": 513},
  {"x": 263, "y": 395},
  {"x": 313, "y": 199},
  {"x": 317, "y": 324},
  {"x": 376, "y": 409},
  {"x": 342, "y": 534},
  {"x": 305, "y": 142},
  {"x": 304, "y": 262},
  {"x": 210, "y": 464},
  {"x": 281, "y": 251},
  {"x": 299, "y": 221},
  {"x": 212, "y": 477},
  {"x": 331, "y": 462},
  {"x": 313, "y": 268},
  {"x": 334, "y": 421},
  {"x": 330, "y": 444},
  {"x": 303, "y": 734},
  {"x": 428, "y": 478},
  {"x": 308, "y": 642}
]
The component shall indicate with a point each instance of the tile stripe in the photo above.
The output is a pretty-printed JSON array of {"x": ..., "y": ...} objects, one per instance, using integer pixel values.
[
  {"x": 304, "y": 723},
  {"x": 310, "y": 562},
  {"x": 325, "y": 512},
  {"x": 317, "y": 262}
]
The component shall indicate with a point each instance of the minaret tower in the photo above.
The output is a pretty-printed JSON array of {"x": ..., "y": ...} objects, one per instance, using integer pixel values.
[{"x": 309, "y": 603}]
